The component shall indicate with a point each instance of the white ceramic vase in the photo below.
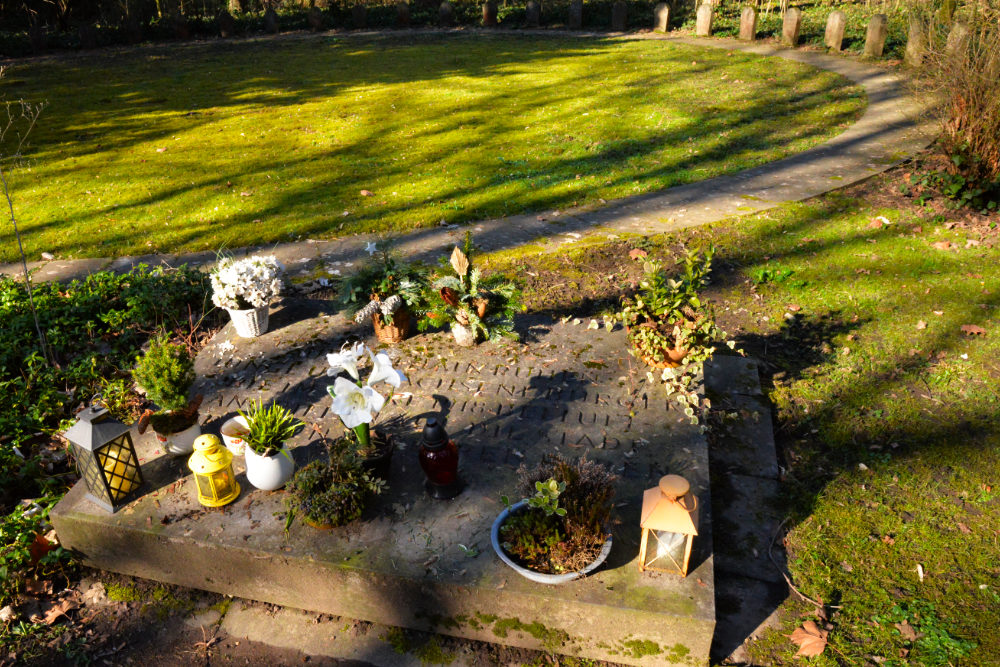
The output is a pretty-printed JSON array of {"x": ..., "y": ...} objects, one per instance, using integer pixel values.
[
  {"x": 180, "y": 443},
  {"x": 464, "y": 336},
  {"x": 233, "y": 430},
  {"x": 269, "y": 473},
  {"x": 250, "y": 323}
]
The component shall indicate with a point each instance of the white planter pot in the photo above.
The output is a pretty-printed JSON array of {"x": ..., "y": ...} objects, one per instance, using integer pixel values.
[
  {"x": 250, "y": 323},
  {"x": 540, "y": 577},
  {"x": 464, "y": 336},
  {"x": 269, "y": 473},
  {"x": 179, "y": 443},
  {"x": 232, "y": 432}
]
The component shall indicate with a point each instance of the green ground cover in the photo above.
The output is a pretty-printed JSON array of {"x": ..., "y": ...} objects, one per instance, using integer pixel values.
[
  {"x": 206, "y": 146},
  {"x": 887, "y": 419}
]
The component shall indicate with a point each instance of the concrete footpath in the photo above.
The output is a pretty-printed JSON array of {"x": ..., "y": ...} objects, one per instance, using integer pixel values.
[{"x": 894, "y": 126}]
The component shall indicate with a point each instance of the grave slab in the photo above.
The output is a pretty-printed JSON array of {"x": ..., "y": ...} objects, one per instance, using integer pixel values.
[{"x": 412, "y": 561}]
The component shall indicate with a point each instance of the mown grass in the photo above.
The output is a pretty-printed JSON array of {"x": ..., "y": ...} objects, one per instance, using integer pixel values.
[
  {"x": 199, "y": 147},
  {"x": 887, "y": 415}
]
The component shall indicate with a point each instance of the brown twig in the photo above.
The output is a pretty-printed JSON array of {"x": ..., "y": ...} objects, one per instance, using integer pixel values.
[{"x": 788, "y": 580}]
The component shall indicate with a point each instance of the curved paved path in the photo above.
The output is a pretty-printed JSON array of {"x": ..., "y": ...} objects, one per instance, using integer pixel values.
[{"x": 893, "y": 127}]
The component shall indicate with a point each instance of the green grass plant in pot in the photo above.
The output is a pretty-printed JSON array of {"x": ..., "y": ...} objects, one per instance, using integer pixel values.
[
  {"x": 668, "y": 323},
  {"x": 358, "y": 404},
  {"x": 165, "y": 372},
  {"x": 269, "y": 427},
  {"x": 388, "y": 291},
  {"x": 476, "y": 307},
  {"x": 560, "y": 530},
  {"x": 333, "y": 491}
]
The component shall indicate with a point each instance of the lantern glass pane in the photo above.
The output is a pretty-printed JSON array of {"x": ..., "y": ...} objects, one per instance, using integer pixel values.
[
  {"x": 121, "y": 470},
  {"x": 205, "y": 486},
  {"x": 665, "y": 551},
  {"x": 223, "y": 481},
  {"x": 91, "y": 473}
]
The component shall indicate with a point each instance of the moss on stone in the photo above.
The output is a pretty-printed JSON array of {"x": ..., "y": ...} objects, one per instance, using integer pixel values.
[
  {"x": 222, "y": 606},
  {"x": 122, "y": 593},
  {"x": 431, "y": 653},
  {"x": 397, "y": 639},
  {"x": 549, "y": 638},
  {"x": 640, "y": 648}
]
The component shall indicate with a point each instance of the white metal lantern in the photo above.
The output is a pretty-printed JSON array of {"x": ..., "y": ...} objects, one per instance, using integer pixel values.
[{"x": 669, "y": 522}]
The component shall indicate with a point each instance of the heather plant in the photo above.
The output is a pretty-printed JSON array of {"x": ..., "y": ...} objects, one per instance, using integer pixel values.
[
  {"x": 166, "y": 372},
  {"x": 566, "y": 521},
  {"x": 334, "y": 491}
]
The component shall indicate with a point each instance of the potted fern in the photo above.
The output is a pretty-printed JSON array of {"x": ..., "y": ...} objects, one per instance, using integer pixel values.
[
  {"x": 165, "y": 372},
  {"x": 333, "y": 491},
  {"x": 269, "y": 463},
  {"x": 560, "y": 530},
  {"x": 387, "y": 291},
  {"x": 476, "y": 307}
]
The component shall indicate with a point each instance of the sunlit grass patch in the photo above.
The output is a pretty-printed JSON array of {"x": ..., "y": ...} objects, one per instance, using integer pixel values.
[{"x": 199, "y": 147}]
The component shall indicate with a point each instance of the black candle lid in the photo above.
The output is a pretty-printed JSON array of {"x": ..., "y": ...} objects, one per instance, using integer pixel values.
[{"x": 435, "y": 437}]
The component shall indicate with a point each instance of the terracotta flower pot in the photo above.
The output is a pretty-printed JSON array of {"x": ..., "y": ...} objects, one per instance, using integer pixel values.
[{"x": 673, "y": 356}]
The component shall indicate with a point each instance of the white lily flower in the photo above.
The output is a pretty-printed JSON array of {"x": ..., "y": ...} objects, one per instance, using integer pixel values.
[
  {"x": 382, "y": 371},
  {"x": 346, "y": 360},
  {"x": 353, "y": 404}
]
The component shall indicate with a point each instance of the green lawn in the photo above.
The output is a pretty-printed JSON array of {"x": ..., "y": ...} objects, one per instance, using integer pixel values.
[
  {"x": 887, "y": 414},
  {"x": 199, "y": 147}
]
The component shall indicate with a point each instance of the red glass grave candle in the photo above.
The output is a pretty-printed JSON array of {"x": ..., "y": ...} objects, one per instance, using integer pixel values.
[{"x": 439, "y": 459}]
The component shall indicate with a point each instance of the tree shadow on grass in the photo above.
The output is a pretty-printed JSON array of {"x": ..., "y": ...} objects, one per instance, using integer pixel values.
[{"x": 356, "y": 63}]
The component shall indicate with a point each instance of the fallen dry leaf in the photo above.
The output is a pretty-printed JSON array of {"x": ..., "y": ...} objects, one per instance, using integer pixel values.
[
  {"x": 962, "y": 527},
  {"x": 941, "y": 245},
  {"x": 907, "y": 631},
  {"x": 921, "y": 324},
  {"x": 37, "y": 588},
  {"x": 61, "y": 608},
  {"x": 636, "y": 253},
  {"x": 973, "y": 330},
  {"x": 810, "y": 638}
]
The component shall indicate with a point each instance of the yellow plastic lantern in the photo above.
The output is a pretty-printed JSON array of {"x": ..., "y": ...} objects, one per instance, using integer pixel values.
[
  {"x": 105, "y": 458},
  {"x": 212, "y": 465},
  {"x": 669, "y": 521}
]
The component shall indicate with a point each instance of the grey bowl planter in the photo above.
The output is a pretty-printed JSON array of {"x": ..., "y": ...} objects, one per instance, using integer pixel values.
[{"x": 540, "y": 577}]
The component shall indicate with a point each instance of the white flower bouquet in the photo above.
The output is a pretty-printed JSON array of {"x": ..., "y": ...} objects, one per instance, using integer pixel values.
[{"x": 243, "y": 284}]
